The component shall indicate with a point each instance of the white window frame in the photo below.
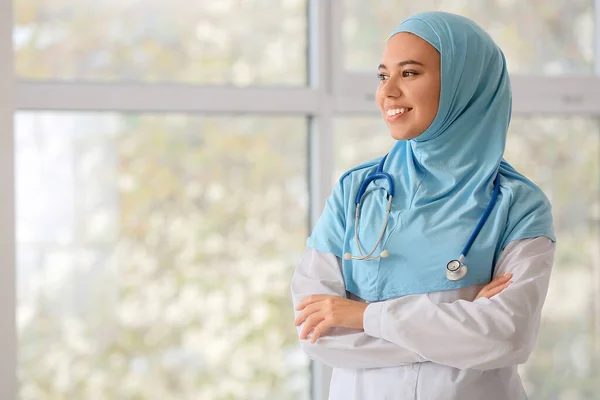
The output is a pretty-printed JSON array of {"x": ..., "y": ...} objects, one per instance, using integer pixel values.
[
  {"x": 8, "y": 336},
  {"x": 331, "y": 92}
]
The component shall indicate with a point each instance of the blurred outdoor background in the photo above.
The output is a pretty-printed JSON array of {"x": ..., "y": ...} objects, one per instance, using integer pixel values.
[{"x": 155, "y": 249}]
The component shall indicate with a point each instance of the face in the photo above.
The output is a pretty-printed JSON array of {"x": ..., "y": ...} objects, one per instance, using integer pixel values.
[{"x": 409, "y": 89}]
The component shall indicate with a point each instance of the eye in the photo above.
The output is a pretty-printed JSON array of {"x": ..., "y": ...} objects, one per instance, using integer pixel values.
[
  {"x": 408, "y": 73},
  {"x": 382, "y": 77}
]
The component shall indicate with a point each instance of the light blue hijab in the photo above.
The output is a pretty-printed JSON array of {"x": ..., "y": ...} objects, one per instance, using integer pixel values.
[{"x": 443, "y": 180}]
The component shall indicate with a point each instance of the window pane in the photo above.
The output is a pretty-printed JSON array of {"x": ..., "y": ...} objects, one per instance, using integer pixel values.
[
  {"x": 561, "y": 155},
  {"x": 357, "y": 140},
  {"x": 155, "y": 254},
  {"x": 238, "y": 42},
  {"x": 537, "y": 37}
]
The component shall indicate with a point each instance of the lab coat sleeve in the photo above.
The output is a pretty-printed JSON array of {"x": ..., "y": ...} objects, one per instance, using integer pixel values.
[
  {"x": 320, "y": 273},
  {"x": 483, "y": 334}
]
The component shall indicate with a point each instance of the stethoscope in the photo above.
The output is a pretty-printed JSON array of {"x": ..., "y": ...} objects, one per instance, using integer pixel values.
[{"x": 455, "y": 269}]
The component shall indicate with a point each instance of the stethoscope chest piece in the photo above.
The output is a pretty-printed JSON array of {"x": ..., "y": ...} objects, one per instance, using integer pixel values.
[{"x": 456, "y": 270}]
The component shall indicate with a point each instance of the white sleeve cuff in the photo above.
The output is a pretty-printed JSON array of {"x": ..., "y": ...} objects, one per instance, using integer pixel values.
[{"x": 372, "y": 319}]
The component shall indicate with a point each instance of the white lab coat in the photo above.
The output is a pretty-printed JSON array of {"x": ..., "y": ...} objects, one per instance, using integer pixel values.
[{"x": 439, "y": 345}]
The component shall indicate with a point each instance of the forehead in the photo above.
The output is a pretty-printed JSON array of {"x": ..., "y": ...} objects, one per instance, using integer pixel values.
[{"x": 403, "y": 46}]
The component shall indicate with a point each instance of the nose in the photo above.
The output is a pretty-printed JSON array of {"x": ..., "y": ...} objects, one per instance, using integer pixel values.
[{"x": 391, "y": 88}]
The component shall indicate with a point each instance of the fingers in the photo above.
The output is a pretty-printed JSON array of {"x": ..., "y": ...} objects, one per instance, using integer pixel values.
[
  {"x": 311, "y": 299},
  {"x": 311, "y": 322},
  {"x": 319, "y": 330},
  {"x": 312, "y": 312},
  {"x": 310, "y": 309},
  {"x": 492, "y": 292},
  {"x": 504, "y": 277},
  {"x": 499, "y": 280},
  {"x": 496, "y": 286}
]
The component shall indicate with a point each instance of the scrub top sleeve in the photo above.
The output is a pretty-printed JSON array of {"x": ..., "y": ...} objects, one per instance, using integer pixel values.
[
  {"x": 483, "y": 334},
  {"x": 320, "y": 273}
]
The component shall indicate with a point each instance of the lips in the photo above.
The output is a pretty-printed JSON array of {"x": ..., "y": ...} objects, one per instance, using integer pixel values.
[{"x": 397, "y": 113}]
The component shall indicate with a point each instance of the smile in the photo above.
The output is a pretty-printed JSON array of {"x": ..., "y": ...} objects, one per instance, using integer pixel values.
[{"x": 394, "y": 114}]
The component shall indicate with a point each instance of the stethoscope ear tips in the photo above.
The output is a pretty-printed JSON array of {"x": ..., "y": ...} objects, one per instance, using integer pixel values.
[{"x": 383, "y": 254}]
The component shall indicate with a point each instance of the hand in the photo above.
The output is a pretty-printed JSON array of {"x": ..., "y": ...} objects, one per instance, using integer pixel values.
[
  {"x": 321, "y": 312},
  {"x": 496, "y": 286}
]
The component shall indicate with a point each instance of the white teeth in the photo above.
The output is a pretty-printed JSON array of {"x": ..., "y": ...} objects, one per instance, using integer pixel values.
[{"x": 395, "y": 111}]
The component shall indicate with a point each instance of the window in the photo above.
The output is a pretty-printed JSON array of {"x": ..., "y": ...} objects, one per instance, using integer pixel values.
[
  {"x": 155, "y": 251},
  {"x": 171, "y": 157},
  {"x": 562, "y": 155},
  {"x": 202, "y": 42},
  {"x": 515, "y": 26},
  {"x": 358, "y": 140}
]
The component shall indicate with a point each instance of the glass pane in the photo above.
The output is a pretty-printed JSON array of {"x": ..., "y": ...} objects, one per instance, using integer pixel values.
[
  {"x": 561, "y": 155},
  {"x": 155, "y": 254},
  {"x": 238, "y": 42},
  {"x": 358, "y": 140},
  {"x": 537, "y": 37}
]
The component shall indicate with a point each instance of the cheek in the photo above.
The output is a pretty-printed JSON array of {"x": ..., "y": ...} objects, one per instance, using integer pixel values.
[{"x": 430, "y": 103}]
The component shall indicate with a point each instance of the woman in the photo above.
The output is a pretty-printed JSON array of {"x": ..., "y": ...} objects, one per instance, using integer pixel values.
[{"x": 384, "y": 306}]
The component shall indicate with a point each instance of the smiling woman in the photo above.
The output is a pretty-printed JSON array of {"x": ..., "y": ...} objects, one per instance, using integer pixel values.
[{"x": 392, "y": 323}]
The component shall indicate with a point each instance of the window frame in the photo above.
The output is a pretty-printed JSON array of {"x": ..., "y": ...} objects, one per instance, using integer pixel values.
[
  {"x": 330, "y": 92},
  {"x": 8, "y": 335}
]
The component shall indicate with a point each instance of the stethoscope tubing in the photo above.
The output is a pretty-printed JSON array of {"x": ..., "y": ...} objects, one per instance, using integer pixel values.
[{"x": 379, "y": 174}]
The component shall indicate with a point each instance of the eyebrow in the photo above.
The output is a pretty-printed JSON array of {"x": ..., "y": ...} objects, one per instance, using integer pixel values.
[{"x": 402, "y": 64}]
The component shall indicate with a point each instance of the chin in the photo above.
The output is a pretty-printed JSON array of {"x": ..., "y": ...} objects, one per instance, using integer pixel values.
[{"x": 402, "y": 135}]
